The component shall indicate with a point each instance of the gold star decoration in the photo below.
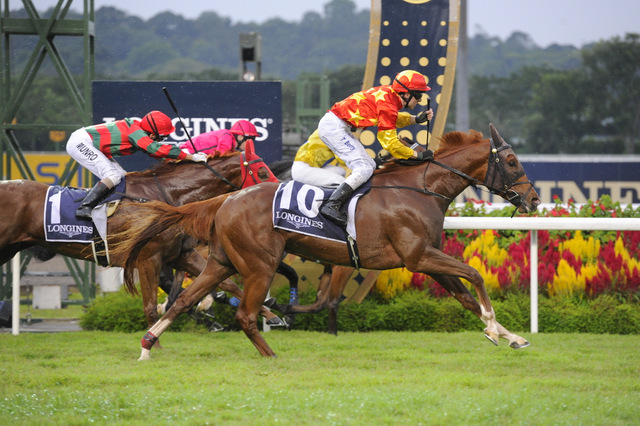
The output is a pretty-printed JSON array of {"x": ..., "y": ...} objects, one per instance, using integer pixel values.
[
  {"x": 358, "y": 97},
  {"x": 355, "y": 117},
  {"x": 379, "y": 95}
]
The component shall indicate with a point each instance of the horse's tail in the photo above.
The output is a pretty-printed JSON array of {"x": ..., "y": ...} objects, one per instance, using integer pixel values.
[{"x": 153, "y": 218}]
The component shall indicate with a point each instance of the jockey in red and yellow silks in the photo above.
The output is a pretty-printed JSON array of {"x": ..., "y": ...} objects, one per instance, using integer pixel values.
[
  {"x": 378, "y": 106},
  {"x": 314, "y": 161}
]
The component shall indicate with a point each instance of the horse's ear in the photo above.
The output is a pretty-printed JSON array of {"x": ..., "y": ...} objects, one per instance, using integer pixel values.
[
  {"x": 497, "y": 139},
  {"x": 249, "y": 149}
]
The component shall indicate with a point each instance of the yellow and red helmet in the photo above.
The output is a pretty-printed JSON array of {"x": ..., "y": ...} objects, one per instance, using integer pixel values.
[{"x": 410, "y": 81}]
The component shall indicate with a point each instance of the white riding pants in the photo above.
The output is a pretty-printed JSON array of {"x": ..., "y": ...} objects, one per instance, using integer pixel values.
[
  {"x": 336, "y": 134},
  {"x": 80, "y": 148},
  {"x": 328, "y": 176}
]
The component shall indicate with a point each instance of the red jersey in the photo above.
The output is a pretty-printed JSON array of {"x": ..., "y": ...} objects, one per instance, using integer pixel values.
[{"x": 125, "y": 137}]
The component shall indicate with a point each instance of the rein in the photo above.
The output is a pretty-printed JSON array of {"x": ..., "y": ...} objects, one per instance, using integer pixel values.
[
  {"x": 222, "y": 178},
  {"x": 421, "y": 191},
  {"x": 162, "y": 191},
  {"x": 507, "y": 191}
]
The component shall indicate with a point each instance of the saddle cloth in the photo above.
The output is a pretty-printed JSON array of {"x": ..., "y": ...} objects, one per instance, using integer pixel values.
[
  {"x": 60, "y": 222},
  {"x": 296, "y": 208}
]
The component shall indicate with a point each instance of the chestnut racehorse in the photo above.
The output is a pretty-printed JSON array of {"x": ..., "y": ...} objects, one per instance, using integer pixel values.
[
  {"x": 398, "y": 223},
  {"x": 176, "y": 183}
]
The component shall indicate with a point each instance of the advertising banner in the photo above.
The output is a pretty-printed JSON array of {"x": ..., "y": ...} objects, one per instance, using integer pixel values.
[{"x": 203, "y": 107}]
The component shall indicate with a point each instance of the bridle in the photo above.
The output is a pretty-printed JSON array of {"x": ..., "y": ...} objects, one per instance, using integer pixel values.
[
  {"x": 495, "y": 169},
  {"x": 247, "y": 170}
]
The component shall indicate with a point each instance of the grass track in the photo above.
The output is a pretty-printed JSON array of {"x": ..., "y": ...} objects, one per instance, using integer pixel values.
[{"x": 355, "y": 378}]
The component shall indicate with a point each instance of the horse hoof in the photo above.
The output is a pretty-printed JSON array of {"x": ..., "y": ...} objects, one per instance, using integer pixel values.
[
  {"x": 517, "y": 345},
  {"x": 276, "y": 322},
  {"x": 270, "y": 302},
  {"x": 493, "y": 338},
  {"x": 215, "y": 327}
]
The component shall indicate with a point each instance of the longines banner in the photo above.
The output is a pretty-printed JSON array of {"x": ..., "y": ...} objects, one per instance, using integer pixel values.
[
  {"x": 203, "y": 107},
  {"x": 420, "y": 35}
]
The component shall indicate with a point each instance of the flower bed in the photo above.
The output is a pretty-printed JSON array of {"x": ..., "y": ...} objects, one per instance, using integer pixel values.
[{"x": 574, "y": 263}]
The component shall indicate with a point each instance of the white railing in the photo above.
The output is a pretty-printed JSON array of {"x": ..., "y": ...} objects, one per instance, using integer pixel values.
[{"x": 533, "y": 225}]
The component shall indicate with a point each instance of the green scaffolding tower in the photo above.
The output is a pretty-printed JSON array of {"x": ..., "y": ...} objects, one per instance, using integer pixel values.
[{"x": 15, "y": 85}]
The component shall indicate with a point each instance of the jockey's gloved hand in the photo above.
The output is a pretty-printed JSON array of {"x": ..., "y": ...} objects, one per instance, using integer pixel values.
[
  {"x": 199, "y": 157},
  {"x": 424, "y": 155},
  {"x": 422, "y": 117}
]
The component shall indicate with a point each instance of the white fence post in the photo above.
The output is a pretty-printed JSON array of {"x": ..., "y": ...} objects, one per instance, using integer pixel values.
[
  {"x": 533, "y": 264},
  {"x": 15, "y": 299}
]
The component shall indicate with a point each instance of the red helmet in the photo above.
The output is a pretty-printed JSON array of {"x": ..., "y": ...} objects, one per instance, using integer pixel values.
[
  {"x": 245, "y": 128},
  {"x": 410, "y": 81},
  {"x": 158, "y": 123}
]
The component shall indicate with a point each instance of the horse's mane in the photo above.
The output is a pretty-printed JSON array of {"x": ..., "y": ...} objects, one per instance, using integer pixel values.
[
  {"x": 170, "y": 165},
  {"x": 455, "y": 140}
]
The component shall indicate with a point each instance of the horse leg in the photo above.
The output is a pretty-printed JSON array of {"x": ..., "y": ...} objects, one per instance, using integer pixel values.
[
  {"x": 338, "y": 281},
  {"x": 206, "y": 282},
  {"x": 255, "y": 290},
  {"x": 294, "y": 299},
  {"x": 231, "y": 287},
  {"x": 149, "y": 274},
  {"x": 462, "y": 294},
  {"x": 434, "y": 261},
  {"x": 322, "y": 297}
]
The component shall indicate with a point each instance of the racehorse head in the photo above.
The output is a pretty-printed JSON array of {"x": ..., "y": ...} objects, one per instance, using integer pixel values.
[
  {"x": 506, "y": 177},
  {"x": 254, "y": 169}
]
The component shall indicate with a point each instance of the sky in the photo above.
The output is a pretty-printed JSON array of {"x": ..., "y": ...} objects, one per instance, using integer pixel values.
[{"x": 574, "y": 22}]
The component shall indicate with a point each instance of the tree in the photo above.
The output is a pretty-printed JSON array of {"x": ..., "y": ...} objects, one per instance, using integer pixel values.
[
  {"x": 613, "y": 70},
  {"x": 556, "y": 117}
]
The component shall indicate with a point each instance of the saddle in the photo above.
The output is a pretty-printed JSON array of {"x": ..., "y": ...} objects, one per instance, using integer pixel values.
[
  {"x": 61, "y": 224},
  {"x": 296, "y": 208}
]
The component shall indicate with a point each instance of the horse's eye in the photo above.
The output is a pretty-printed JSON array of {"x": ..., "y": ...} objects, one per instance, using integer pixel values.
[
  {"x": 263, "y": 174},
  {"x": 512, "y": 163}
]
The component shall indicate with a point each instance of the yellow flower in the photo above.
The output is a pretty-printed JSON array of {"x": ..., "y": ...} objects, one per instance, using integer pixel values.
[
  {"x": 586, "y": 250},
  {"x": 566, "y": 281},
  {"x": 486, "y": 247}
]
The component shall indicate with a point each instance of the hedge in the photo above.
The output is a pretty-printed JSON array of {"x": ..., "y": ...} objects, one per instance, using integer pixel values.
[{"x": 410, "y": 310}]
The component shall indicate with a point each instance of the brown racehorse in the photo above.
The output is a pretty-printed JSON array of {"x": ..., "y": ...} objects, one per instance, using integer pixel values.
[
  {"x": 176, "y": 183},
  {"x": 399, "y": 223}
]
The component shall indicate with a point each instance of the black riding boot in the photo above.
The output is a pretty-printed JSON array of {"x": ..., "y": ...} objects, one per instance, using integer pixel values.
[
  {"x": 331, "y": 209},
  {"x": 93, "y": 197}
]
